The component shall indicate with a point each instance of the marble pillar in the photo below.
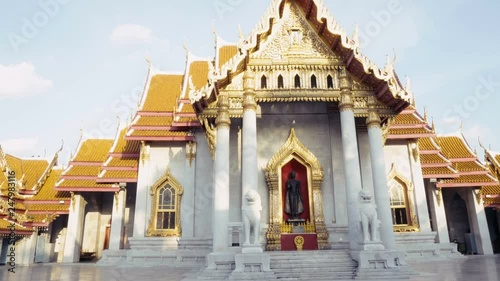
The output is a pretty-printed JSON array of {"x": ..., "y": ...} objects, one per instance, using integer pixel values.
[
  {"x": 438, "y": 213},
  {"x": 419, "y": 190},
  {"x": 118, "y": 220},
  {"x": 188, "y": 198},
  {"x": 142, "y": 196},
  {"x": 221, "y": 179},
  {"x": 74, "y": 232},
  {"x": 351, "y": 161},
  {"x": 380, "y": 176},
  {"x": 249, "y": 142},
  {"x": 478, "y": 222}
]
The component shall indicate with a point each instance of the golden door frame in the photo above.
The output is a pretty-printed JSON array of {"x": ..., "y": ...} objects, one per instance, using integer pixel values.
[{"x": 294, "y": 149}]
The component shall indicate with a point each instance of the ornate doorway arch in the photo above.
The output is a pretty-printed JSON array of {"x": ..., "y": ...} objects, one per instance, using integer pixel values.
[{"x": 293, "y": 149}]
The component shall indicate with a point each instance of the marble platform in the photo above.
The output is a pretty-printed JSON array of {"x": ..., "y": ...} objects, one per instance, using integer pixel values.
[{"x": 484, "y": 268}]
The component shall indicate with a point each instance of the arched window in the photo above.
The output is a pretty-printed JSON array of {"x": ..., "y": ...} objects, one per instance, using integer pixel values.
[
  {"x": 399, "y": 203},
  {"x": 314, "y": 82},
  {"x": 165, "y": 212},
  {"x": 329, "y": 82},
  {"x": 263, "y": 82},
  {"x": 297, "y": 81},
  {"x": 280, "y": 82}
]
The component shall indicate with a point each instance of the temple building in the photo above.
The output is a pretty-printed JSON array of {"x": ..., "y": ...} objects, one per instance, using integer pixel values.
[{"x": 290, "y": 138}]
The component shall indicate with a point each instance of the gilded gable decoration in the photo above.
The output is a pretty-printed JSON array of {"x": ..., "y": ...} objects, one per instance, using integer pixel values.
[{"x": 402, "y": 199}]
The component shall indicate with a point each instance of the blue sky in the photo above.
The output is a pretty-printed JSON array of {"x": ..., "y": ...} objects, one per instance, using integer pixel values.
[{"x": 67, "y": 65}]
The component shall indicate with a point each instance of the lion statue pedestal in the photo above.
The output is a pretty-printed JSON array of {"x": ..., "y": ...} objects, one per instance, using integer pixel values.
[{"x": 252, "y": 263}]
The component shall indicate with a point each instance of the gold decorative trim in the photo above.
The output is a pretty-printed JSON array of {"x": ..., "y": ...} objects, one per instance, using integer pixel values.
[
  {"x": 413, "y": 225},
  {"x": 223, "y": 119},
  {"x": 439, "y": 196},
  {"x": 166, "y": 179},
  {"x": 294, "y": 149},
  {"x": 191, "y": 152},
  {"x": 211, "y": 135},
  {"x": 145, "y": 152},
  {"x": 299, "y": 242},
  {"x": 479, "y": 195},
  {"x": 73, "y": 200}
]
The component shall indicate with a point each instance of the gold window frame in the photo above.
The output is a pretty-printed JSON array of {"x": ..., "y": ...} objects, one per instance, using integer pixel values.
[
  {"x": 166, "y": 179},
  {"x": 413, "y": 224}
]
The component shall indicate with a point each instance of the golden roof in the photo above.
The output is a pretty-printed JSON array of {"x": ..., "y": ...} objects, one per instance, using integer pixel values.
[
  {"x": 455, "y": 147},
  {"x": 83, "y": 171},
  {"x": 439, "y": 171},
  {"x": 31, "y": 169},
  {"x": 122, "y": 162},
  {"x": 470, "y": 166},
  {"x": 150, "y": 133},
  {"x": 93, "y": 150},
  {"x": 121, "y": 145},
  {"x": 4, "y": 225},
  {"x": 56, "y": 207},
  {"x": 426, "y": 144},
  {"x": 407, "y": 119},
  {"x": 491, "y": 201},
  {"x": 47, "y": 191},
  {"x": 226, "y": 53},
  {"x": 154, "y": 121},
  {"x": 433, "y": 159},
  {"x": 187, "y": 119},
  {"x": 497, "y": 158},
  {"x": 471, "y": 179},
  {"x": 82, "y": 184},
  {"x": 163, "y": 92},
  {"x": 491, "y": 190},
  {"x": 412, "y": 131},
  {"x": 119, "y": 175},
  {"x": 198, "y": 71}
]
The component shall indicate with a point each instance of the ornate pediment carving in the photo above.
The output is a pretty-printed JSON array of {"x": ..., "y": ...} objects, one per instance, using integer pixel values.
[{"x": 292, "y": 37}]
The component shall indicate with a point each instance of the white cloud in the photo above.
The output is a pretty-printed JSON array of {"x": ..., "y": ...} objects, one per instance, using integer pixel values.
[
  {"x": 19, "y": 146},
  {"x": 131, "y": 33},
  {"x": 21, "y": 80}
]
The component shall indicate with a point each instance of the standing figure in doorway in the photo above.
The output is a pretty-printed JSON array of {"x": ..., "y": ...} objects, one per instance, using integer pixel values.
[{"x": 294, "y": 205}]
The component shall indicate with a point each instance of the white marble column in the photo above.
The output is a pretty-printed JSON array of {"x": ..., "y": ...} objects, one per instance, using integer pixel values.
[
  {"x": 118, "y": 220},
  {"x": 142, "y": 196},
  {"x": 419, "y": 191},
  {"x": 438, "y": 213},
  {"x": 188, "y": 198},
  {"x": 249, "y": 147},
  {"x": 220, "y": 218},
  {"x": 380, "y": 176},
  {"x": 478, "y": 222},
  {"x": 352, "y": 170},
  {"x": 74, "y": 234}
]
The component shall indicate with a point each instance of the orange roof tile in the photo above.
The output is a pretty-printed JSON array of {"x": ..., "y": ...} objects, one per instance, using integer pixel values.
[
  {"x": 472, "y": 166},
  {"x": 439, "y": 171},
  {"x": 83, "y": 171},
  {"x": 4, "y": 225},
  {"x": 471, "y": 179},
  {"x": 432, "y": 159},
  {"x": 426, "y": 144},
  {"x": 121, "y": 145},
  {"x": 144, "y": 133},
  {"x": 82, "y": 184},
  {"x": 163, "y": 92},
  {"x": 154, "y": 121},
  {"x": 454, "y": 147},
  {"x": 93, "y": 150},
  {"x": 119, "y": 175},
  {"x": 47, "y": 191},
  {"x": 122, "y": 162},
  {"x": 226, "y": 53}
]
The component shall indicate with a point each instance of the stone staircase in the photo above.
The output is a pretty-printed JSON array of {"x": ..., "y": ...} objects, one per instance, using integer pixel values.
[{"x": 313, "y": 265}]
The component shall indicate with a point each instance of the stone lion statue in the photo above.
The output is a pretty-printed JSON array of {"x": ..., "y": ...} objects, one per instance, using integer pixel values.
[
  {"x": 251, "y": 216},
  {"x": 369, "y": 218}
]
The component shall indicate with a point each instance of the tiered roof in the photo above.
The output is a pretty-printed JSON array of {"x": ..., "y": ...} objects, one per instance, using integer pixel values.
[
  {"x": 122, "y": 164},
  {"x": 36, "y": 201},
  {"x": 84, "y": 168},
  {"x": 434, "y": 164},
  {"x": 409, "y": 124},
  {"x": 472, "y": 173},
  {"x": 165, "y": 112}
]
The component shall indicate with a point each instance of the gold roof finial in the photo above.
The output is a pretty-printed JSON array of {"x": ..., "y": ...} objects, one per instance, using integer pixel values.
[
  {"x": 461, "y": 129},
  {"x": 425, "y": 114},
  {"x": 433, "y": 125}
]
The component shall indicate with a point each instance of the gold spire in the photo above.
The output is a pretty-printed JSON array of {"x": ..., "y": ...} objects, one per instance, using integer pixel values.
[{"x": 425, "y": 114}]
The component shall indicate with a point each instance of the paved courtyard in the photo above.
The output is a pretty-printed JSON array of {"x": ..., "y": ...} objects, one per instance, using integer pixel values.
[{"x": 478, "y": 268}]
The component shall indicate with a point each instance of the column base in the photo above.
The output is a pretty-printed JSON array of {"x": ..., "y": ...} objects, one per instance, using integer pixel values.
[
  {"x": 253, "y": 267},
  {"x": 381, "y": 264},
  {"x": 252, "y": 249}
]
